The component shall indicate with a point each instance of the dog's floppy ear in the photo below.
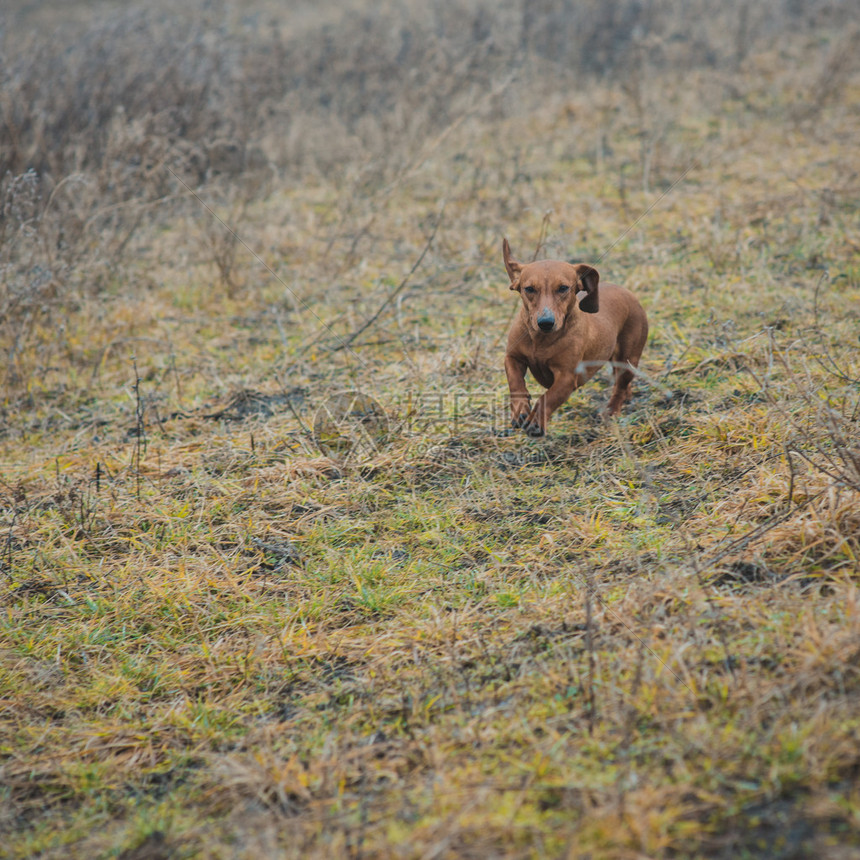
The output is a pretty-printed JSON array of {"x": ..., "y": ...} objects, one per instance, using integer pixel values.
[
  {"x": 588, "y": 278},
  {"x": 512, "y": 266}
]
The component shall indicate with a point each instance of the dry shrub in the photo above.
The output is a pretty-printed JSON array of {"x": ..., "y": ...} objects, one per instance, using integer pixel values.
[
  {"x": 133, "y": 76},
  {"x": 826, "y": 538},
  {"x": 823, "y": 445},
  {"x": 806, "y": 514},
  {"x": 36, "y": 259},
  {"x": 147, "y": 88},
  {"x": 58, "y": 248},
  {"x": 151, "y": 102}
]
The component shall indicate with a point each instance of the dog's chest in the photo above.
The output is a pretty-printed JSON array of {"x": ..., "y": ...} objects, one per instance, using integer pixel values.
[{"x": 541, "y": 372}]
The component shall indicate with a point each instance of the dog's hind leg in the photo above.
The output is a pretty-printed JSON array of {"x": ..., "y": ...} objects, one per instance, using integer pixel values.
[
  {"x": 621, "y": 393},
  {"x": 625, "y": 360}
]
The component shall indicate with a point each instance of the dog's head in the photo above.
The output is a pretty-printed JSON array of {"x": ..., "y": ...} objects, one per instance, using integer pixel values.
[{"x": 552, "y": 290}]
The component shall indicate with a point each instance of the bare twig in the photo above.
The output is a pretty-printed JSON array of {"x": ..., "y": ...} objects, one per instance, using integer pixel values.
[
  {"x": 544, "y": 228},
  {"x": 629, "y": 725},
  {"x": 589, "y": 644},
  {"x": 9, "y": 544},
  {"x": 140, "y": 431}
]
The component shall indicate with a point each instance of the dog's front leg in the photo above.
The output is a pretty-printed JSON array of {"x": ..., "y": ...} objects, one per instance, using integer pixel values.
[
  {"x": 561, "y": 388},
  {"x": 521, "y": 401}
]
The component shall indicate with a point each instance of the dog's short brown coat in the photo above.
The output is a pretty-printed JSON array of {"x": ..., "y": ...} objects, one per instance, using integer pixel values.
[{"x": 565, "y": 330}]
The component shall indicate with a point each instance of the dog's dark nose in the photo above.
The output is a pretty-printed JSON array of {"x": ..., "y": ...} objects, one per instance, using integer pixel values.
[{"x": 546, "y": 320}]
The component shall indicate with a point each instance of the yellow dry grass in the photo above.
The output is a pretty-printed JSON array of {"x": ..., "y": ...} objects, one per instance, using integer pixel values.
[{"x": 640, "y": 638}]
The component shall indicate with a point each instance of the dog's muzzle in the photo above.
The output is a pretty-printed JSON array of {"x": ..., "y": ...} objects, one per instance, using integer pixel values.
[{"x": 546, "y": 320}]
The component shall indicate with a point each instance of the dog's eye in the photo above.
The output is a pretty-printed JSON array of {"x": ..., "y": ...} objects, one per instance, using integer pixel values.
[
  {"x": 528, "y": 290},
  {"x": 564, "y": 288}
]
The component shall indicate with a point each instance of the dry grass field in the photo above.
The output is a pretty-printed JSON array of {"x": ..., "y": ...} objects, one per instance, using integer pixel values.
[{"x": 245, "y": 614}]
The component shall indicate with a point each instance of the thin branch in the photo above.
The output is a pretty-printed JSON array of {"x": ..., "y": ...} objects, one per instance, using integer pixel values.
[
  {"x": 345, "y": 343},
  {"x": 544, "y": 229}
]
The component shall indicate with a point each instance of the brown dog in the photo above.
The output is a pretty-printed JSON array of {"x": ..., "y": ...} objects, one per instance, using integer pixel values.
[{"x": 563, "y": 338}]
